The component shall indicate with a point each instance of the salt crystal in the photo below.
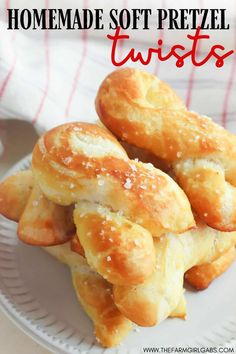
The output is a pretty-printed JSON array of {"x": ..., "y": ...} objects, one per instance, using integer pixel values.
[
  {"x": 35, "y": 203},
  {"x": 88, "y": 165},
  {"x": 120, "y": 213},
  {"x": 133, "y": 167},
  {"x": 149, "y": 166},
  {"x": 128, "y": 183},
  {"x": 179, "y": 153},
  {"x": 113, "y": 228},
  {"x": 67, "y": 160},
  {"x": 101, "y": 182},
  {"x": 137, "y": 242},
  {"x": 143, "y": 187},
  {"x": 108, "y": 258},
  {"x": 205, "y": 214},
  {"x": 72, "y": 186}
]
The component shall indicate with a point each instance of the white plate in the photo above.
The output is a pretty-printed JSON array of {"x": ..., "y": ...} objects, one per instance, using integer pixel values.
[{"x": 36, "y": 293}]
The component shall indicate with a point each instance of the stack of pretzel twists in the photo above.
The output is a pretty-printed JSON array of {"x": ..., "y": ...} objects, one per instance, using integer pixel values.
[
  {"x": 143, "y": 111},
  {"x": 126, "y": 228}
]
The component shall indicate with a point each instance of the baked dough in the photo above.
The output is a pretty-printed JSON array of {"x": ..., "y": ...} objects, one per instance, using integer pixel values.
[
  {"x": 153, "y": 301},
  {"x": 95, "y": 295},
  {"x": 201, "y": 276},
  {"x": 144, "y": 111}
]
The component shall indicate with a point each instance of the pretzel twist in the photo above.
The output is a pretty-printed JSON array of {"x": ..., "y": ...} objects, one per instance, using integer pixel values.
[
  {"x": 160, "y": 296},
  {"x": 140, "y": 109},
  {"x": 95, "y": 295},
  {"x": 120, "y": 203},
  {"x": 201, "y": 276},
  {"x": 151, "y": 302}
]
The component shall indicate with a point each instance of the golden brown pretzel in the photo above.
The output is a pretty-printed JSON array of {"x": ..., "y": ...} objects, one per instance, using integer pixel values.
[
  {"x": 94, "y": 292},
  {"x": 142, "y": 110},
  {"x": 150, "y": 303},
  {"x": 116, "y": 247},
  {"x": 84, "y": 164},
  {"x": 79, "y": 161},
  {"x": 41, "y": 222},
  {"x": 95, "y": 295},
  {"x": 201, "y": 276},
  {"x": 14, "y": 194}
]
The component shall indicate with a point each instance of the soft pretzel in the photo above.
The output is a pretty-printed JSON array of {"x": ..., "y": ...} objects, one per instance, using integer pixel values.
[
  {"x": 14, "y": 194},
  {"x": 120, "y": 250},
  {"x": 41, "y": 222},
  {"x": 84, "y": 164},
  {"x": 150, "y": 303},
  {"x": 113, "y": 245},
  {"x": 201, "y": 276},
  {"x": 95, "y": 295},
  {"x": 79, "y": 161},
  {"x": 94, "y": 292},
  {"x": 142, "y": 110},
  {"x": 76, "y": 246}
]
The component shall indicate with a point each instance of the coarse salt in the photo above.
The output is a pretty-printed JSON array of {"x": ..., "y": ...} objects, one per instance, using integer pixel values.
[{"x": 128, "y": 183}]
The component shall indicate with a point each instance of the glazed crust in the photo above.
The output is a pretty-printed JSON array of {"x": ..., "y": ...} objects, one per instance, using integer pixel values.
[{"x": 143, "y": 111}]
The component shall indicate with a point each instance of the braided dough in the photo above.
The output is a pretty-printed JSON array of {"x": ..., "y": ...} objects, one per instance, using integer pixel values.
[
  {"x": 126, "y": 222},
  {"x": 83, "y": 164},
  {"x": 202, "y": 275},
  {"x": 14, "y": 194},
  {"x": 95, "y": 293},
  {"x": 142, "y": 110},
  {"x": 41, "y": 222},
  {"x": 151, "y": 302}
]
